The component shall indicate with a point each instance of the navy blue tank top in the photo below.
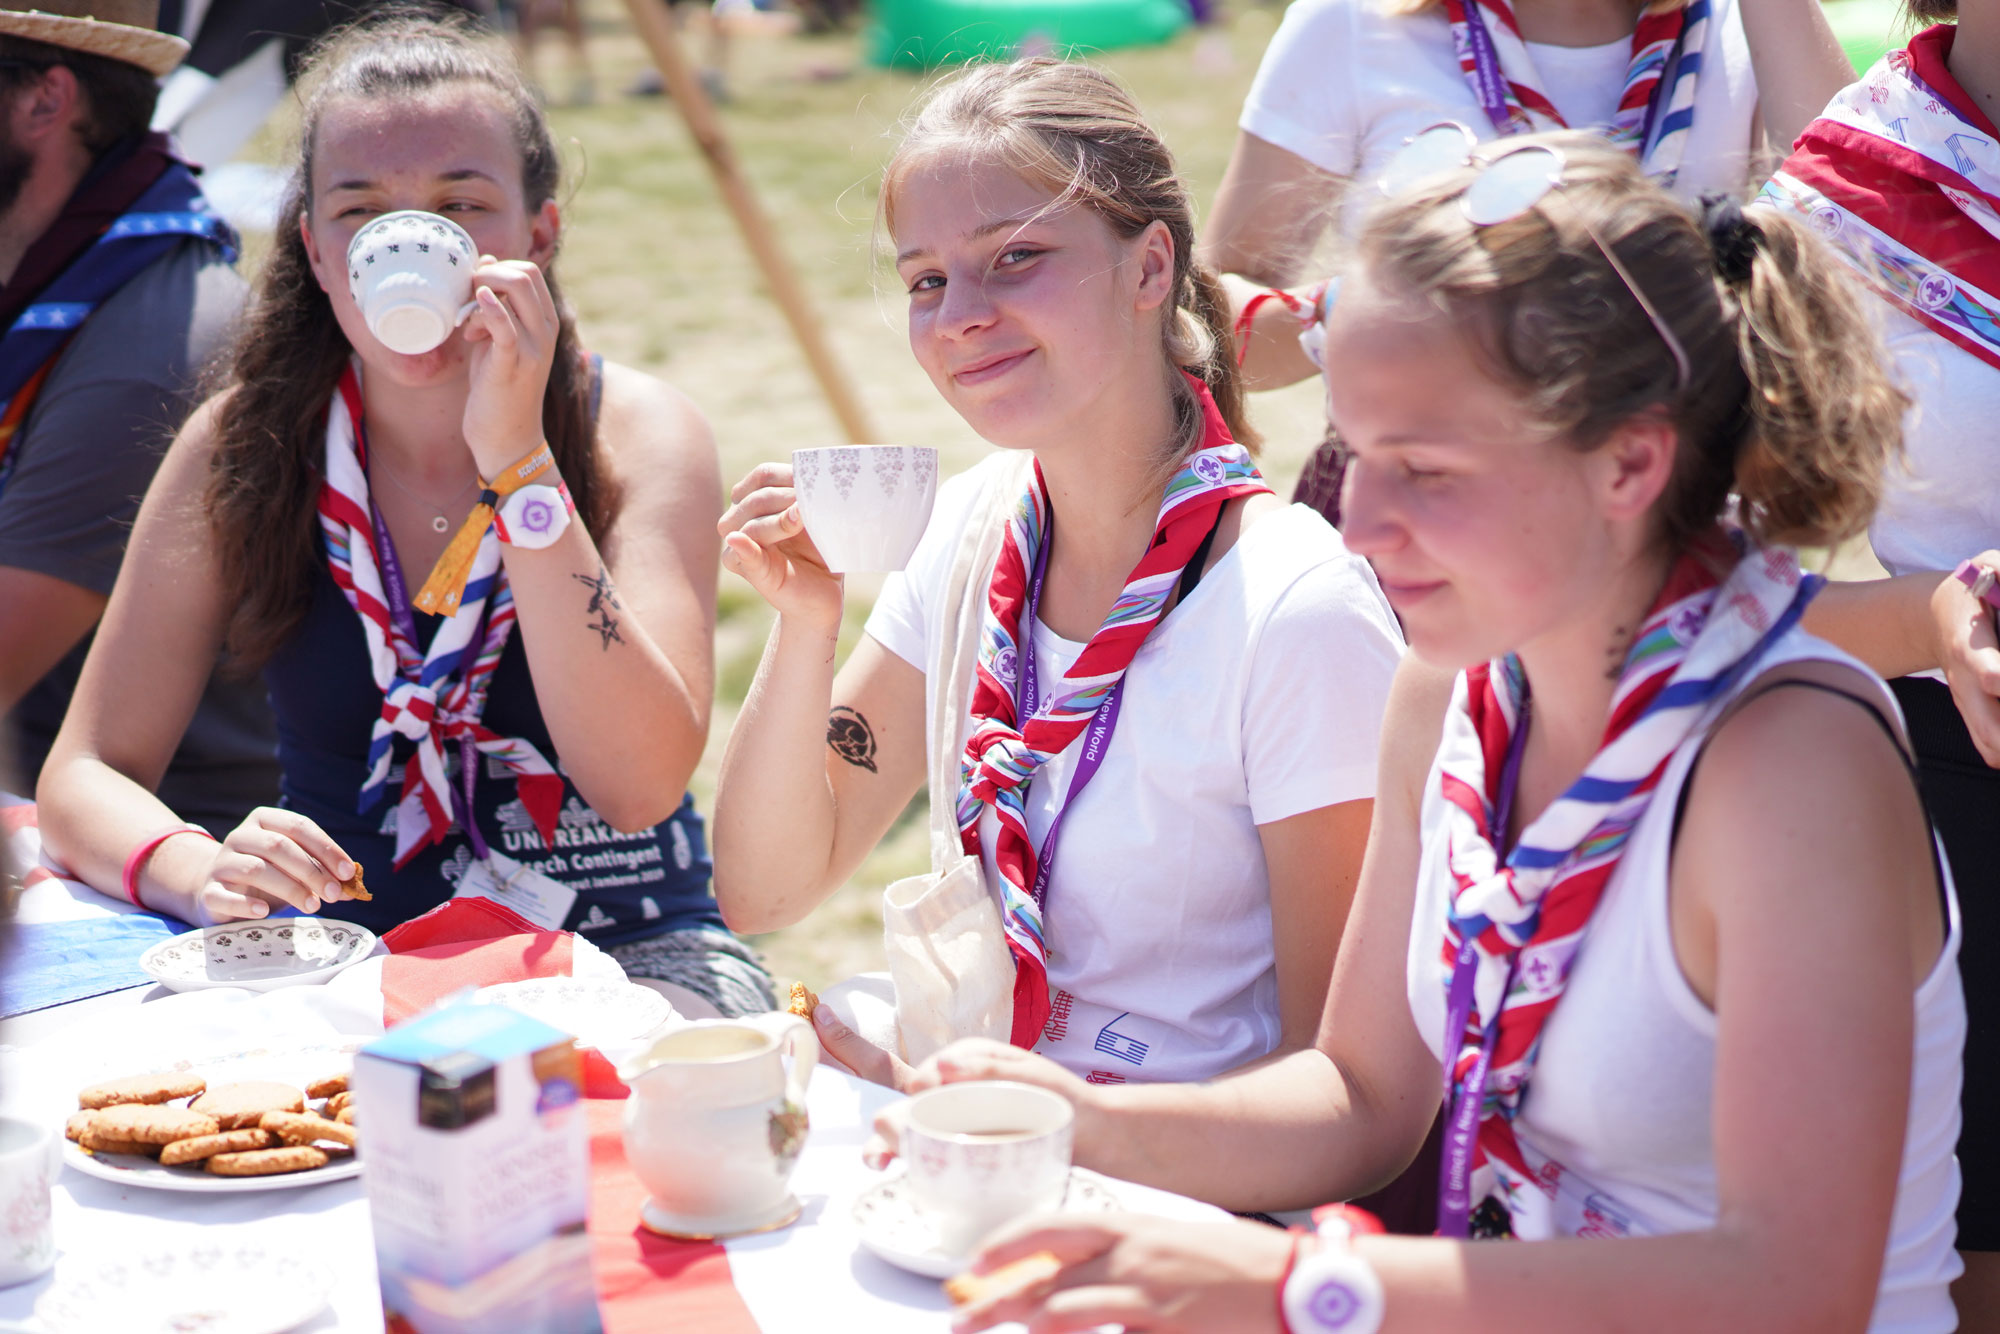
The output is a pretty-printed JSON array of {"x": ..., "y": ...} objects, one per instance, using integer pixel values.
[{"x": 629, "y": 886}]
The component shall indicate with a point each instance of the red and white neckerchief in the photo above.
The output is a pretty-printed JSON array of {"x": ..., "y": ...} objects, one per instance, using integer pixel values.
[
  {"x": 1902, "y": 172},
  {"x": 1513, "y": 927},
  {"x": 1004, "y": 754},
  {"x": 437, "y": 696},
  {"x": 1653, "y": 116}
]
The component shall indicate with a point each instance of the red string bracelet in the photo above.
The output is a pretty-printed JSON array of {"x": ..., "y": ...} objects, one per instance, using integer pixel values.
[
  {"x": 145, "y": 850},
  {"x": 1299, "y": 1236}
]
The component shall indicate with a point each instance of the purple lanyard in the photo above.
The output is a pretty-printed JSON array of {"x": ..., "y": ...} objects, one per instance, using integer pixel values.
[
  {"x": 1096, "y": 737},
  {"x": 398, "y": 593},
  {"x": 1489, "y": 83},
  {"x": 1461, "y": 1131}
]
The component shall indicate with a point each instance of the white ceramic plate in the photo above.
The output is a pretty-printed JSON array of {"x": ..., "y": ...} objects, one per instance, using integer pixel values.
[
  {"x": 292, "y": 1065},
  {"x": 234, "y": 1287},
  {"x": 597, "y": 1013},
  {"x": 260, "y": 955},
  {"x": 893, "y": 1228}
]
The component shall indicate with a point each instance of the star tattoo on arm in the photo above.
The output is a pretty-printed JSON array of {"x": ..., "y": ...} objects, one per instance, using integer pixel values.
[
  {"x": 603, "y": 601},
  {"x": 848, "y": 734}
]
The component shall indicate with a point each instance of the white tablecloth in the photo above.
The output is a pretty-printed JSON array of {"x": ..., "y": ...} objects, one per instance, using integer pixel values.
[{"x": 811, "y": 1276}]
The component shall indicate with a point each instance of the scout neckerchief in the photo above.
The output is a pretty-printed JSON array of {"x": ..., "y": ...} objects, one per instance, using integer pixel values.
[
  {"x": 1654, "y": 113},
  {"x": 1004, "y": 754},
  {"x": 1512, "y": 927},
  {"x": 161, "y": 206},
  {"x": 437, "y": 696},
  {"x": 1902, "y": 170}
]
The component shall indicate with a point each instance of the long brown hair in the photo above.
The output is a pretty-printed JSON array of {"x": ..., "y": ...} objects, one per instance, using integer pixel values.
[
  {"x": 1787, "y": 404},
  {"x": 1070, "y": 128},
  {"x": 264, "y": 482}
]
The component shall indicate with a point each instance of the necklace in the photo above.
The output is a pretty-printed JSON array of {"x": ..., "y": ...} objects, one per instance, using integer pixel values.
[{"x": 439, "y": 523}]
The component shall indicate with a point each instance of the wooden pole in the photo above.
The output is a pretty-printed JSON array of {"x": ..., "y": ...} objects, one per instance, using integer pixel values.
[{"x": 656, "y": 29}]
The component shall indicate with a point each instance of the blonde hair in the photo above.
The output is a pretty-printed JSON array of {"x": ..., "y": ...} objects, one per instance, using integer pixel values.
[
  {"x": 1071, "y": 128},
  {"x": 1786, "y": 404}
]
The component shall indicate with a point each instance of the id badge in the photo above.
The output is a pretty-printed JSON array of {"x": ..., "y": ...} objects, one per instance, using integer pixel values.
[{"x": 544, "y": 901}]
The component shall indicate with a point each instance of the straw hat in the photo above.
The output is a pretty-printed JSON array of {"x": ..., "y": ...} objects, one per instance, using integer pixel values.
[{"x": 116, "y": 29}]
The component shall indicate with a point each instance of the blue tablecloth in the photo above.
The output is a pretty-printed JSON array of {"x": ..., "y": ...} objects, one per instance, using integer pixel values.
[{"x": 53, "y": 963}]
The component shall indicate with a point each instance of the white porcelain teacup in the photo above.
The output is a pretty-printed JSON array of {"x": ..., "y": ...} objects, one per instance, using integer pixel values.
[
  {"x": 411, "y": 274},
  {"x": 865, "y": 506},
  {"x": 716, "y": 1121},
  {"x": 30, "y": 1157},
  {"x": 984, "y": 1153}
]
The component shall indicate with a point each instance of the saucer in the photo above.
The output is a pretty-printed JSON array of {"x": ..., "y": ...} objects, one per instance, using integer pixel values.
[
  {"x": 258, "y": 954},
  {"x": 894, "y": 1229},
  {"x": 238, "y": 1287},
  {"x": 686, "y": 1228}
]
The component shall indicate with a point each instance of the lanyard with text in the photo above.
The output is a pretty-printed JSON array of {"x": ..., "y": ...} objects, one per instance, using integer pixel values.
[
  {"x": 1096, "y": 739},
  {"x": 1461, "y": 1129}
]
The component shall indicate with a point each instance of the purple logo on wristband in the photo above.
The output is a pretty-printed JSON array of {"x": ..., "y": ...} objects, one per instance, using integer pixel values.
[
  {"x": 538, "y": 516},
  {"x": 1005, "y": 665},
  {"x": 1208, "y": 468},
  {"x": 1936, "y": 290},
  {"x": 1333, "y": 1304}
]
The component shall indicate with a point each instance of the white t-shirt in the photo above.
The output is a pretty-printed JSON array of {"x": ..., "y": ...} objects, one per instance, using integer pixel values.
[
  {"x": 1257, "y": 699},
  {"x": 1943, "y": 504},
  {"x": 1344, "y": 85}
]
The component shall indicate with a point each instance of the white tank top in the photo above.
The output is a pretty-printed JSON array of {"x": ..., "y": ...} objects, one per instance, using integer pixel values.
[{"x": 1622, "y": 1091}]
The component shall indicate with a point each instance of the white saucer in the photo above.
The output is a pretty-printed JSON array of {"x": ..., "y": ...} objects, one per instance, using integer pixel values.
[
  {"x": 600, "y": 1013},
  {"x": 259, "y": 955},
  {"x": 218, "y": 1287},
  {"x": 683, "y": 1227},
  {"x": 894, "y": 1229}
]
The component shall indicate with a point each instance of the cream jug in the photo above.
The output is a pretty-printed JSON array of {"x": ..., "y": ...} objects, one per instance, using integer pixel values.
[{"x": 715, "y": 1123}]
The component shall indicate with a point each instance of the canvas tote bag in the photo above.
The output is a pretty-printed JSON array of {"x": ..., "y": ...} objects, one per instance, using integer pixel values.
[{"x": 948, "y": 956}]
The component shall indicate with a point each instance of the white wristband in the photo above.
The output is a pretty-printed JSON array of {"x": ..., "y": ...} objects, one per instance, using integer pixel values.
[
  {"x": 1332, "y": 1290},
  {"x": 534, "y": 516}
]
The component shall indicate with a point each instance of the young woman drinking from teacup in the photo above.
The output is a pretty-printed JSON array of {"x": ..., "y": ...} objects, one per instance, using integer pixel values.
[
  {"x": 531, "y": 745},
  {"x": 1651, "y": 904},
  {"x": 1185, "y": 671}
]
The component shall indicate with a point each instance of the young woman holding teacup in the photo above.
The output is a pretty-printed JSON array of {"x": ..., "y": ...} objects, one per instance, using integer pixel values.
[
  {"x": 1144, "y": 585},
  {"x": 1651, "y": 885},
  {"x": 530, "y": 743}
]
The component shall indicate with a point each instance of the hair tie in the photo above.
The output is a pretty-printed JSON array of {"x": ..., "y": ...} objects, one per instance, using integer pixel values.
[{"x": 1732, "y": 237}]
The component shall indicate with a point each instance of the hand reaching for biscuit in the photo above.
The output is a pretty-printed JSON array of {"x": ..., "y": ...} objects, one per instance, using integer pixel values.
[{"x": 275, "y": 859}]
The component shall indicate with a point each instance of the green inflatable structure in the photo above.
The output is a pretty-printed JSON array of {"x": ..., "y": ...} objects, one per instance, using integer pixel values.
[
  {"x": 927, "y": 33},
  {"x": 1868, "y": 28}
]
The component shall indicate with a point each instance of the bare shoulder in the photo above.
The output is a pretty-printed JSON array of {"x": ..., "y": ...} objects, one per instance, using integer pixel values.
[
  {"x": 1413, "y": 725},
  {"x": 652, "y": 432}
]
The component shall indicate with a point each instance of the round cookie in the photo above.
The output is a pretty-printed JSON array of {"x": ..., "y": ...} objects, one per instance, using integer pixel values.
[
  {"x": 345, "y": 1115},
  {"x": 296, "y": 1129},
  {"x": 338, "y": 1101},
  {"x": 141, "y": 1089},
  {"x": 332, "y": 1086},
  {"x": 96, "y": 1141},
  {"x": 207, "y": 1146},
  {"x": 267, "y": 1162},
  {"x": 78, "y": 1123},
  {"x": 141, "y": 1123},
  {"x": 242, "y": 1106}
]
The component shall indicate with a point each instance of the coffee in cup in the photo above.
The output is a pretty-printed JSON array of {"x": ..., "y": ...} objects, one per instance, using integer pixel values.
[
  {"x": 865, "y": 506},
  {"x": 410, "y": 272},
  {"x": 984, "y": 1153}
]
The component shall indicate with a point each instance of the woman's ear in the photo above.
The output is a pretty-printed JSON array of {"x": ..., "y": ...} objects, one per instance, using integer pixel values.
[
  {"x": 543, "y": 232},
  {"x": 312, "y": 247},
  {"x": 1636, "y": 465},
  {"x": 1155, "y": 255}
]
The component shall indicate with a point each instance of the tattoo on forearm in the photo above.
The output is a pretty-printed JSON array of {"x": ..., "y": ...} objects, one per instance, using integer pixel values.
[
  {"x": 848, "y": 734},
  {"x": 603, "y": 601}
]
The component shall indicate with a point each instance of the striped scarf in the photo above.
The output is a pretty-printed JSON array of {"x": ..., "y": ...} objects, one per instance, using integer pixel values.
[
  {"x": 1902, "y": 171},
  {"x": 426, "y": 697},
  {"x": 1526, "y": 917},
  {"x": 1003, "y": 754},
  {"x": 1653, "y": 116},
  {"x": 166, "y": 213}
]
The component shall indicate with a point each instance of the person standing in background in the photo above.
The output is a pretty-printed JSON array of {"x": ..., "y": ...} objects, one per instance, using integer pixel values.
[{"x": 117, "y": 292}]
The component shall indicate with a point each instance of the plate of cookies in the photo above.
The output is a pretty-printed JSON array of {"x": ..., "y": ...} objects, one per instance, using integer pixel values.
[
  {"x": 189, "y": 1131},
  {"x": 259, "y": 955}
]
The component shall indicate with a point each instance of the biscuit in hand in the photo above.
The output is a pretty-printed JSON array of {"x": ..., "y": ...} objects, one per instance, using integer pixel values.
[
  {"x": 354, "y": 889},
  {"x": 267, "y": 1162},
  {"x": 1009, "y": 1280},
  {"x": 141, "y": 1088},
  {"x": 802, "y": 1002}
]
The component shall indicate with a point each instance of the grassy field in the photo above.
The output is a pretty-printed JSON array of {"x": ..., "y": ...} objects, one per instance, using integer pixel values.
[{"x": 661, "y": 281}]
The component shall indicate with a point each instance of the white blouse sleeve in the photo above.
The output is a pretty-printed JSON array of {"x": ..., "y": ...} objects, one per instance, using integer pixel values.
[
  {"x": 1318, "y": 688},
  {"x": 1304, "y": 97}
]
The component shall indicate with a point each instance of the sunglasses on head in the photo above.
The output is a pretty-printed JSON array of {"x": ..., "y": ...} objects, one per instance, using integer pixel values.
[{"x": 1510, "y": 183}]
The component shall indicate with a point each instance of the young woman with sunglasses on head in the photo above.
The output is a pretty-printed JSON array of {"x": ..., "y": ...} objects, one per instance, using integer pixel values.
[
  {"x": 1703, "y": 92},
  {"x": 1903, "y": 174},
  {"x": 1146, "y": 579},
  {"x": 1650, "y": 906},
  {"x": 531, "y": 741}
]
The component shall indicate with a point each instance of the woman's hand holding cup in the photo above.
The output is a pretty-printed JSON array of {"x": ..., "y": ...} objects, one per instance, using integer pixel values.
[
  {"x": 979, "y": 1059},
  {"x": 764, "y": 540},
  {"x": 512, "y": 341}
]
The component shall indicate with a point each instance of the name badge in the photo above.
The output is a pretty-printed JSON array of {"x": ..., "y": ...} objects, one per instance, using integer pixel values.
[{"x": 544, "y": 901}]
